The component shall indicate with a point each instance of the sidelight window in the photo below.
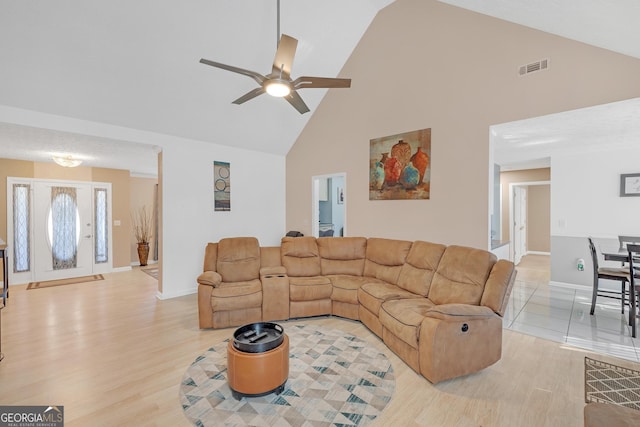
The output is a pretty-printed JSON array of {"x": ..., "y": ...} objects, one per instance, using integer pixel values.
[
  {"x": 21, "y": 229},
  {"x": 101, "y": 231}
]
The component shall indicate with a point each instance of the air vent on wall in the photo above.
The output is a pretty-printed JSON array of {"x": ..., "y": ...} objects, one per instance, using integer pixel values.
[{"x": 543, "y": 64}]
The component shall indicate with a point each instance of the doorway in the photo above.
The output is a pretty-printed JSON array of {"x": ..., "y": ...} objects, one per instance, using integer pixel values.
[
  {"x": 58, "y": 229},
  {"x": 329, "y": 205},
  {"x": 529, "y": 219},
  {"x": 519, "y": 231}
]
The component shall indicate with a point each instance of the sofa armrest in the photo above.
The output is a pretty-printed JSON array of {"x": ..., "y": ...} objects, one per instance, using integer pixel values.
[
  {"x": 498, "y": 287},
  {"x": 210, "y": 278},
  {"x": 458, "y": 339},
  {"x": 456, "y": 312}
]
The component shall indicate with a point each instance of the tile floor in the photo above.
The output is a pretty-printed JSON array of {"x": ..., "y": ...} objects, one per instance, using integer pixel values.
[{"x": 561, "y": 314}]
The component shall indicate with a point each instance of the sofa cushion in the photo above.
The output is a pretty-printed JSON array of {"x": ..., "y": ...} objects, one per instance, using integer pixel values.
[
  {"x": 371, "y": 295},
  {"x": 343, "y": 255},
  {"x": 421, "y": 263},
  {"x": 457, "y": 312},
  {"x": 461, "y": 276},
  {"x": 403, "y": 318},
  {"x": 300, "y": 256},
  {"x": 237, "y": 295},
  {"x": 238, "y": 259},
  {"x": 309, "y": 288},
  {"x": 385, "y": 258},
  {"x": 345, "y": 287}
]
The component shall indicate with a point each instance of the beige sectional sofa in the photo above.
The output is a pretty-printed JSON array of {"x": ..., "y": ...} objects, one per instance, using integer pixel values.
[{"x": 439, "y": 308}]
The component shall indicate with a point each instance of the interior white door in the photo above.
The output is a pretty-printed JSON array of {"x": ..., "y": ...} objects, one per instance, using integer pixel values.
[
  {"x": 63, "y": 241},
  {"x": 519, "y": 223}
]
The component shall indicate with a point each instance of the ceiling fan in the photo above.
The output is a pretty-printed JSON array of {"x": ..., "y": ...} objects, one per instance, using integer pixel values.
[{"x": 279, "y": 83}]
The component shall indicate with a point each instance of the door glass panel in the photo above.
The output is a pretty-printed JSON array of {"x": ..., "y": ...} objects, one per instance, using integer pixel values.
[
  {"x": 21, "y": 229},
  {"x": 63, "y": 227},
  {"x": 101, "y": 226}
]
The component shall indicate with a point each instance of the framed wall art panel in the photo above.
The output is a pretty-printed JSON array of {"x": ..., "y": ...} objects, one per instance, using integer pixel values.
[
  {"x": 222, "y": 186},
  {"x": 400, "y": 166},
  {"x": 630, "y": 185}
]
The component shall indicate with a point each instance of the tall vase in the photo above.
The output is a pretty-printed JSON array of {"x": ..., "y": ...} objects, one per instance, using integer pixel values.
[
  {"x": 392, "y": 170},
  {"x": 420, "y": 160},
  {"x": 143, "y": 253},
  {"x": 410, "y": 177},
  {"x": 402, "y": 152},
  {"x": 377, "y": 176}
]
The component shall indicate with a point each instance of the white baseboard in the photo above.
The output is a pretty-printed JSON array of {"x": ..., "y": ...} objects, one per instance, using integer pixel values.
[
  {"x": 538, "y": 253},
  {"x": 569, "y": 285},
  {"x": 120, "y": 269},
  {"x": 150, "y": 262},
  {"x": 163, "y": 296}
]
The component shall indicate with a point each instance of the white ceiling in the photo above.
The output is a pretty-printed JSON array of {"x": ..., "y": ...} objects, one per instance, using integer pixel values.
[
  {"x": 37, "y": 144},
  {"x": 135, "y": 64},
  {"x": 530, "y": 143},
  {"x": 608, "y": 24}
]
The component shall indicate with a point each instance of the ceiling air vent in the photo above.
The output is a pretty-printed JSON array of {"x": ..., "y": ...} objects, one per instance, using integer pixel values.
[{"x": 543, "y": 64}]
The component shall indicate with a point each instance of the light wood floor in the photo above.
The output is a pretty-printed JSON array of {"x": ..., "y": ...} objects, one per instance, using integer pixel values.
[
  {"x": 114, "y": 355},
  {"x": 536, "y": 262}
]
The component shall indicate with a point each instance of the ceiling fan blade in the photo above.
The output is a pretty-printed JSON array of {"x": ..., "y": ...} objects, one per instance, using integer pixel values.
[
  {"x": 284, "y": 57},
  {"x": 255, "y": 76},
  {"x": 320, "y": 82},
  {"x": 249, "y": 95},
  {"x": 294, "y": 99}
]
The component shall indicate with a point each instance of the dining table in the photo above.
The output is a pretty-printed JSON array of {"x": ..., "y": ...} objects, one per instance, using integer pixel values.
[{"x": 613, "y": 253}]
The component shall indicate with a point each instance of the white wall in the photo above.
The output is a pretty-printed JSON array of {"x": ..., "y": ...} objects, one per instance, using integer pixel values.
[
  {"x": 257, "y": 206},
  {"x": 458, "y": 77},
  {"x": 189, "y": 221},
  {"x": 585, "y": 195},
  {"x": 585, "y": 201}
]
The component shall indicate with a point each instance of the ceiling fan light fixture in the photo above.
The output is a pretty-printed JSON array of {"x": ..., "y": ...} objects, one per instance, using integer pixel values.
[
  {"x": 277, "y": 87},
  {"x": 67, "y": 161}
]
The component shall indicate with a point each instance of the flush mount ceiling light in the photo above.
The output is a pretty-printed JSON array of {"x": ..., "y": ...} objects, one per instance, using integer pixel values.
[{"x": 67, "y": 161}]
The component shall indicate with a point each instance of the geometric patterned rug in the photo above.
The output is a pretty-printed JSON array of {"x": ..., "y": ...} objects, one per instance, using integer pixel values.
[
  {"x": 335, "y": 379},
  {"x": 607, "y": 383}
]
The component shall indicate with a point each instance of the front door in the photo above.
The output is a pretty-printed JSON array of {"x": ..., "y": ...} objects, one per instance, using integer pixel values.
[{"x": 63, "y": 230}]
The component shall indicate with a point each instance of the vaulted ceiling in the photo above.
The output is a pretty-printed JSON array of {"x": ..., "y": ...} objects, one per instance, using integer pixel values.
[{"x": 135, "y": 64}]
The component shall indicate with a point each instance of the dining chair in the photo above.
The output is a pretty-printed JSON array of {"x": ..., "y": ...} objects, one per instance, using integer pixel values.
[
  {"x": 634, "y": 285},
  {"x": 609, "y": 273}
]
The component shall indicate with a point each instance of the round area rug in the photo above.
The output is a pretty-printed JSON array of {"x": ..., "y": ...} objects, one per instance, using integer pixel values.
[{"x": 334, "y": 379}]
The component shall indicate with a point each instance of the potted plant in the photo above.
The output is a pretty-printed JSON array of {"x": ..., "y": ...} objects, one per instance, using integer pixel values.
[{"x": 142, "y": 228}]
